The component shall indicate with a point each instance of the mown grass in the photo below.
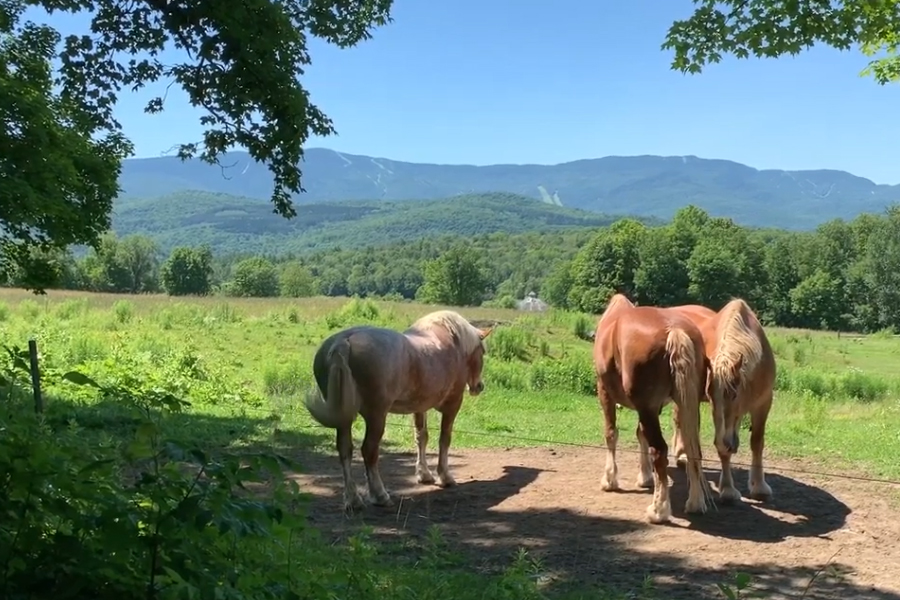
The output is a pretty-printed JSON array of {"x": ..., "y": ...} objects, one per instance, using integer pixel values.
[{"x": 245, "y": 365}]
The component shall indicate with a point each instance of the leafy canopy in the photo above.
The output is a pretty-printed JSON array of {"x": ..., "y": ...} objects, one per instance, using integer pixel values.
[
  {"x": 62, "y": 147},
  {"x": 772, "y": 28}
]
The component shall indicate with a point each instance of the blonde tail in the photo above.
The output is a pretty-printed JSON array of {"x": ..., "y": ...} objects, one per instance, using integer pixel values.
[
  {"x": 683, "y": 362},
  {"x": 340, "y": 407}
]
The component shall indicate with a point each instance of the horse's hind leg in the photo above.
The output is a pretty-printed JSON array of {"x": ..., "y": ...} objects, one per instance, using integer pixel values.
[
  {"x": 759, "y": 489},
  {"x": 660, "y": 510},
  {"x": 372, "y": 441},
  {"x": 352, "y": 499},
  {"x": 448, "y": 416},
  {"x": 610, "y": 480},
  {"x": 423, "y": 473},
  {"x": 677, "y": 442},
  {"x": 645, "y": 474}
]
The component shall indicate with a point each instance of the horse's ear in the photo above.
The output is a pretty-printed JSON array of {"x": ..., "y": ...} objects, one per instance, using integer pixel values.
[{"x": 483, "y": 333}]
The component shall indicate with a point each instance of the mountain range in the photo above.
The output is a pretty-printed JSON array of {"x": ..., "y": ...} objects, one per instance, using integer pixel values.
[{"x": 648, "y": 186}]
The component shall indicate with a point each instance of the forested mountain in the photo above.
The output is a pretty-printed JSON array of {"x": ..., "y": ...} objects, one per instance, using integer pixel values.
[
  {"x": 231, "y": 224},
  {"x": 635, "y": 185}
]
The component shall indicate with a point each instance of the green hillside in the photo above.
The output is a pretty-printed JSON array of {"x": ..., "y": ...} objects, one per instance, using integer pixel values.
[
  {"x": 636, "y": 185},
  {"x": 247, "y": 225}
]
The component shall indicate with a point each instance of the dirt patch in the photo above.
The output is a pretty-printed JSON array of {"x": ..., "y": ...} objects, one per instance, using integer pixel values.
[{"x": 844, "y": 534}]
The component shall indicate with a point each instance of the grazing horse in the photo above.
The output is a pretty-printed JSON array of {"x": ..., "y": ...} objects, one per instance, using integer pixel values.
[
  {"x": 374, "y": 371},
  {"x": 741, "y": 381},
  {"x": 644, "y": 356},
  {"x": 698, "y": 314}
]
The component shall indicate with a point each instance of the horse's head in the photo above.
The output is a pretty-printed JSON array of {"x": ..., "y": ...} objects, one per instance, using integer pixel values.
[
  {"x": 722, "y": 392},
  {"x": 475, "y": 363}
]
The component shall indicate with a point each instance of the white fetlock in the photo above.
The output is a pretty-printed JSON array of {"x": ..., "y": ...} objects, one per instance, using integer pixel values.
[
  {"x": 609, "y": 483},
  {"x": 659, "y": 512},
  {"x": 446, "y": 480},
  {"x": 424, "y": 476},
  {"x": 695, "y": 506},
  {"x": 644, "y": 481}
]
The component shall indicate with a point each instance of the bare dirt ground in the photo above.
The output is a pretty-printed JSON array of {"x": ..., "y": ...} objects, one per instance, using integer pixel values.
[{"x": 842, "y": 535}]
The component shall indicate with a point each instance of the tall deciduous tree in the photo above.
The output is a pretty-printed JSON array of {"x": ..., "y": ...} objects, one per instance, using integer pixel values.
[
  {"x": 187, "y": 271},
  {"x": 61, "y": 149},
  {"x": 455, "y": 278},
  {"x": 772, "y": 28}
]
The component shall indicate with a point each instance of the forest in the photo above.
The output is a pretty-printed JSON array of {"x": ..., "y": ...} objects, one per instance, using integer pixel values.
[{"x": 843, "y": 276}]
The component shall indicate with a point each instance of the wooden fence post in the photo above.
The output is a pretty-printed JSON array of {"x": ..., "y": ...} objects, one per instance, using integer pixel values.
[{"x": 35, "y": 376}]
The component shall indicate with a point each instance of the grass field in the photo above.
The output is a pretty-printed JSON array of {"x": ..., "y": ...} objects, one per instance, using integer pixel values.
[{"x": 245, "y": 364}]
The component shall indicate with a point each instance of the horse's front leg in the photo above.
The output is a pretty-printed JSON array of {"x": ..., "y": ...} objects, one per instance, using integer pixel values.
[
  {"x": 374, "y": 432},
  {"x": 759, "y": 489},
  {"x": 448, "y": 416},
  {"x": 423, "y": 473}
]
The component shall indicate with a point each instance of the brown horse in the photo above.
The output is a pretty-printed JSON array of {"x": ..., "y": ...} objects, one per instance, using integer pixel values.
[
  {"x": 699, "y": 314},
  {"x": 644, "y": 356},
  {"x": 741, "y": 381},
  {"x": 374, "y": 371}
]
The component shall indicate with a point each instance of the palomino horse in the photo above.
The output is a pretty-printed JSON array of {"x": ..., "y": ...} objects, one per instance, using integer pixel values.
[
  {"x": 374, "y": 371},
  {"x": 741, "y": 381},
  {"x": 643, "y": 357}
]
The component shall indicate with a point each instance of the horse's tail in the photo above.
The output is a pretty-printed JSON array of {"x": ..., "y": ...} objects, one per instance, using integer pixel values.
[
  {"x": 686, "y": 363},
  {"x": 340, "y": 406},
  {"x": 739, "y": 352}
]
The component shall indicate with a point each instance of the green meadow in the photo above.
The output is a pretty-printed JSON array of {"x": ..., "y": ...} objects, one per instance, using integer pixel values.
[{"x": 225, "y": 377}]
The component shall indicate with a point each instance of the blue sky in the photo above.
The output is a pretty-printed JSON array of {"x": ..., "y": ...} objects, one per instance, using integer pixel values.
[{"x": 522, "y": 81}]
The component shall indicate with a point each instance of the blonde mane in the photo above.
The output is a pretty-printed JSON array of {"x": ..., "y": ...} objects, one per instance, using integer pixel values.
[
  {"x": 467, "y": 335},
  {"x": 616, "y": 301},
  {"x": 736, "y": 344}
]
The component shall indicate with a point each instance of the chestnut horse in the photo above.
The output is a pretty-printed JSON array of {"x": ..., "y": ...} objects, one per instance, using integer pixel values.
[
  {"x": 698, "y": 314},
  {"x": 374, "y": 371},
  {"x": 644, "y": 356},
  {"x": 741, "y": 381}
]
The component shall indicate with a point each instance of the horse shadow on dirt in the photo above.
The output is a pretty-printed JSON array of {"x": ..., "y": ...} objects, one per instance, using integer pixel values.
[
  {"x": 797, "y": 510},
  {"x": 582, "y": 555}
]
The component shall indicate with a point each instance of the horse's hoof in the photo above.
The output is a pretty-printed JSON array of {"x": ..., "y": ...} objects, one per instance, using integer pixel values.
[
  {"x": 681, "y": 461},
  {"x": 353, "y": 504},
  {"x": 695, "y": 507},
  {"x": 729, "y": 495},
  {"x": 645, "y": 483},
  {"x": 447, "y": 481},
  {"x": 657, "y": 514},
  {"x": 761, "y": 492},
  {"x": 425, "y": 477},
  {"x": 382, "y": 500},
  {"x": 608, "y": 485}
]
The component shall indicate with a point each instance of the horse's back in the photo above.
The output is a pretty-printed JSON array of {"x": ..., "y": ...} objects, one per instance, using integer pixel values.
[
  {"x": 633, "y": 343},
  {"x": 376, "y": 354}
]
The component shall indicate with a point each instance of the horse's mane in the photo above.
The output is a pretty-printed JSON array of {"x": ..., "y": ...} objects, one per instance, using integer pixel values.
[
  {"x": 736, "y": 341},
  {"x": 617, "y": 301},
  {"x": 465, "y": 333}
]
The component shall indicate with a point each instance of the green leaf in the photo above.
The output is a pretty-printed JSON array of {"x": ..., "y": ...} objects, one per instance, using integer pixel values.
[{"x": 80, "y": 379}]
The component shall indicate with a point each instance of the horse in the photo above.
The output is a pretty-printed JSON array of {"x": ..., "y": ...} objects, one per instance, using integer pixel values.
[
  {"x": 372, "y": 371},
  {"x": 698, "y": 314},
  {"x": 741, "y": 381},
  {"x": 643, "y": 356}
]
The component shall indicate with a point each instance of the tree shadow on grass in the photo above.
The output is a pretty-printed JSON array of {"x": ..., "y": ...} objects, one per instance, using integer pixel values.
[{"x": 584, "y": 553}]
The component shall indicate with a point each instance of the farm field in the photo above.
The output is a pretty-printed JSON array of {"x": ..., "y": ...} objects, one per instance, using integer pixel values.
[{"x": 527, "y": 453}]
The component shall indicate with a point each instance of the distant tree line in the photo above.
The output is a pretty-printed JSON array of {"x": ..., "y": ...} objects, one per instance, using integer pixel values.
[{"x": 842, "y": 276}]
